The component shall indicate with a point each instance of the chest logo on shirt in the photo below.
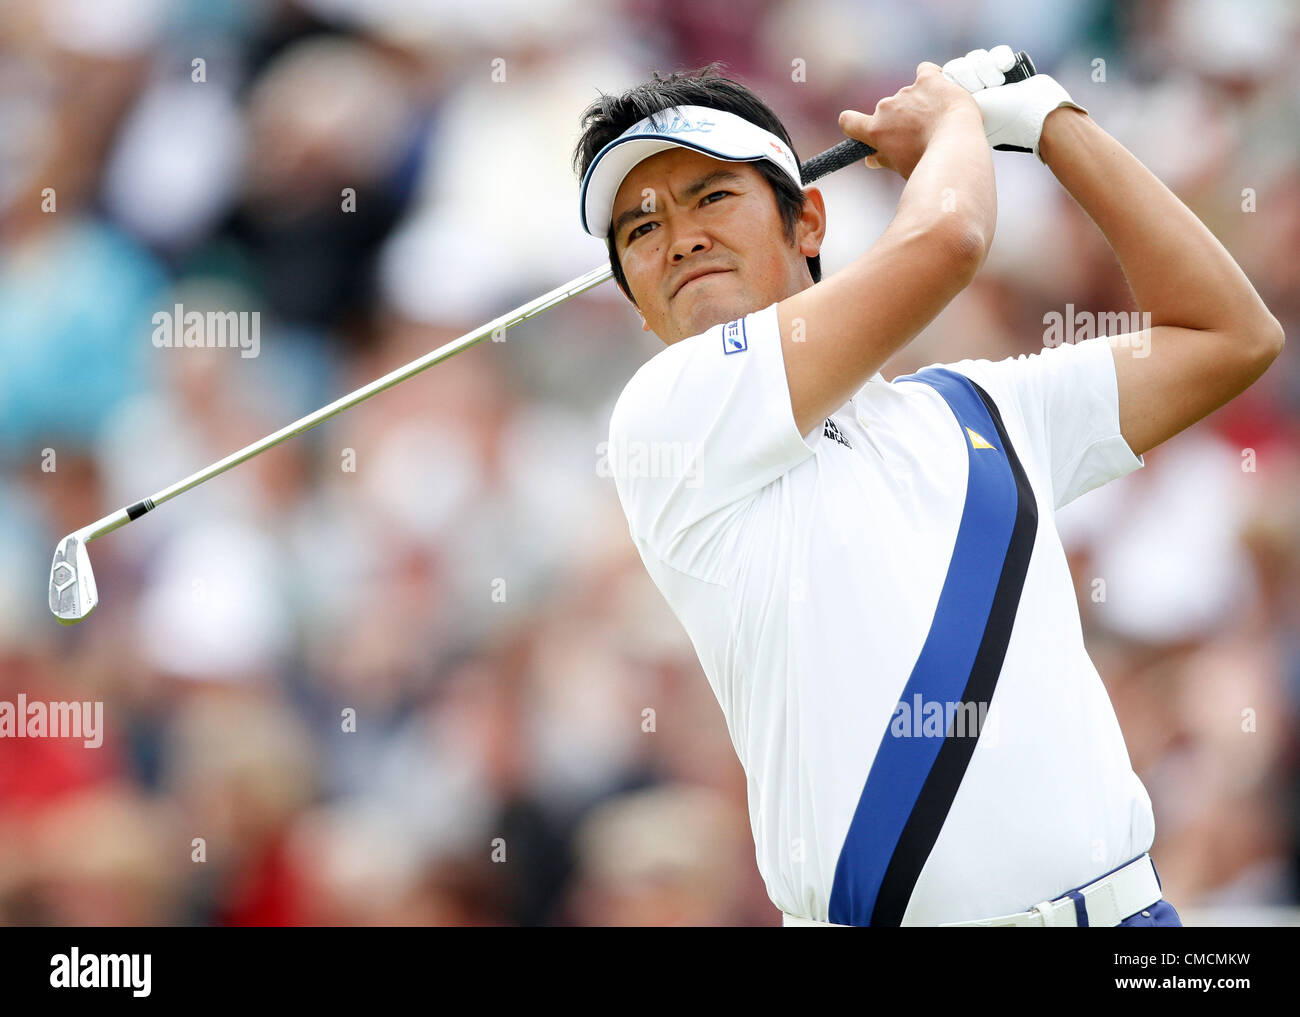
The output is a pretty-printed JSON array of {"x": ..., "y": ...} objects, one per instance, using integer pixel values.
[
  {"x": 734, "y": 339},
  {"x": 832, "y": 430},
  {"x": 977, "y": 440}
]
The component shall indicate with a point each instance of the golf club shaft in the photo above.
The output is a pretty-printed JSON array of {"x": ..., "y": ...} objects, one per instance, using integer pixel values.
[
  {"x": 837, "y": 157},
  {"x": 534, "y": 307}
]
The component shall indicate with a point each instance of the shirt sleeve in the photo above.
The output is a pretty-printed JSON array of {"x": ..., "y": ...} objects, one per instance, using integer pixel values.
[
  {"x": 1068, "y": 397},
  {"x": 699, "y": 430}
]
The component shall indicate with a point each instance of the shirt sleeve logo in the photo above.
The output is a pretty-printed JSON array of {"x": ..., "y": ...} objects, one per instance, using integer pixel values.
[
  {"x": 977, "y": 440},
  {"x": 734, "y": 339}
]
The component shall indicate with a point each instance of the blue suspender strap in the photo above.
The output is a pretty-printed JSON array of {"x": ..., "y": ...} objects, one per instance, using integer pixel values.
[{"x": 914, "y": 780}]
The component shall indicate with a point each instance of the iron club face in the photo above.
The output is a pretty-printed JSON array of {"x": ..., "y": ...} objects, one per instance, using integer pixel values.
[{"x": 72, "y": 583}]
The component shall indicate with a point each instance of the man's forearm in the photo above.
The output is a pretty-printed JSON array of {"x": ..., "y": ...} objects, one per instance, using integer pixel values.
[
  {"x": 954, "y": 179},
  {"x": 1178, "y": 271}
]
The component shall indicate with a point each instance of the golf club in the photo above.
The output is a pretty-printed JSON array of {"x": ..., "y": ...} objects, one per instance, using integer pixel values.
[{"x": 73, "y": 594}]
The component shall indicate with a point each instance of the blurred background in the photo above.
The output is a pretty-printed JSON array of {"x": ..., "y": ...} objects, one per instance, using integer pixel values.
[{"x": 445, "y": 569}]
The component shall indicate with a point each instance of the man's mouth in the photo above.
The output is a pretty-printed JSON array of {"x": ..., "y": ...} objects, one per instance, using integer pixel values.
[{"x": 704, "y": 275}]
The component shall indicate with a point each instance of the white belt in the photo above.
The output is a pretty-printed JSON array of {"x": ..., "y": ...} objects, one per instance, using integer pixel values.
[{"x": 1109, "y": 900}]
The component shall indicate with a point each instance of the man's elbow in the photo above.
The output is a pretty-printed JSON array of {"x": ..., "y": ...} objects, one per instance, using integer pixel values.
[
  {"x": 1247, "y": 352},
  {"x": 1267, "y": 340},
  {"x": 968, "y": 247},
  {"x": 1278, "y": 337}
]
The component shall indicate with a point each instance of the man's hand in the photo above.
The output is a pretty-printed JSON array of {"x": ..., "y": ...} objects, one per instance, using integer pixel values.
[
  {"x": 1013, "y": 113},
  {"x": 903, "y": 124}
]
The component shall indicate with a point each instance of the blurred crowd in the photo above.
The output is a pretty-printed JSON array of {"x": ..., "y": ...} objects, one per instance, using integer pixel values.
[{"x": 407, "y": 668}]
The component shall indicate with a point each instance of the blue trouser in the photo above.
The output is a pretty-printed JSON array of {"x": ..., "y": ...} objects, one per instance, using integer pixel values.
[{"x": 1159, "y": 913}]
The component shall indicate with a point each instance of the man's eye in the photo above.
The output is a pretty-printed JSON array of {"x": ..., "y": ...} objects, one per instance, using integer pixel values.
[{"x": 636, "y": 231}]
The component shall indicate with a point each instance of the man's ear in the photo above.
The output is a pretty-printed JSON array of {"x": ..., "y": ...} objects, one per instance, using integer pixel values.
[{"x": 810, "y": 230}]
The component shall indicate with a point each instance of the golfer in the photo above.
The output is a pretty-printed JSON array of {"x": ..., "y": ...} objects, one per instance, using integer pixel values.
[{"x": 869, "y": 570}]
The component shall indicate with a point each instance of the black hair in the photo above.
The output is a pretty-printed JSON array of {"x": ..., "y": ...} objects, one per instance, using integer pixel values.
[{"x": 610, "y": 115}]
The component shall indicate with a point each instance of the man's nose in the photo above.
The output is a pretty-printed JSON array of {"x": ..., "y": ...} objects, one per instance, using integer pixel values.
[{"x": 688, "y": 239}]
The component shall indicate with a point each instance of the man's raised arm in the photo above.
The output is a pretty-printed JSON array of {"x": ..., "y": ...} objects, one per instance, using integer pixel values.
[
  {"x": 837, "y": 334},
  {"x": 1211, "y": 336}
]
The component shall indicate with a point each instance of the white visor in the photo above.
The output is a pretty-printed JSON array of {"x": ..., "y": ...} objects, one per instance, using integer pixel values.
[{"x": 714, "y": 132}]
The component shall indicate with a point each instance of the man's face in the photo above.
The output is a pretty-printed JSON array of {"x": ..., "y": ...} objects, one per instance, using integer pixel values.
[{"x": 706, "y": 215}]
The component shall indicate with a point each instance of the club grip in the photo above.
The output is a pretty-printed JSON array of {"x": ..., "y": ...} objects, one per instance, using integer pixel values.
[{"x": 850, "y": 150}]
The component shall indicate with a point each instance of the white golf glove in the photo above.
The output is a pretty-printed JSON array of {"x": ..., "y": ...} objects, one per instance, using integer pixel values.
[{"x": 1014, "y": 112}]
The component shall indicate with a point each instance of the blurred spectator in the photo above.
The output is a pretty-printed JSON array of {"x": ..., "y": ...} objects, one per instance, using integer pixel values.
[{"x": 664, "y": 856}]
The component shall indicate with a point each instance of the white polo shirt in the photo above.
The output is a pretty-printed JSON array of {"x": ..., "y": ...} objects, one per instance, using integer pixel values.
[{"x": 849, "y": 589}]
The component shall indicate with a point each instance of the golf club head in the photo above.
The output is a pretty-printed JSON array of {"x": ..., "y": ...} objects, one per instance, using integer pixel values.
[{"x": 72, "y": 584}]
